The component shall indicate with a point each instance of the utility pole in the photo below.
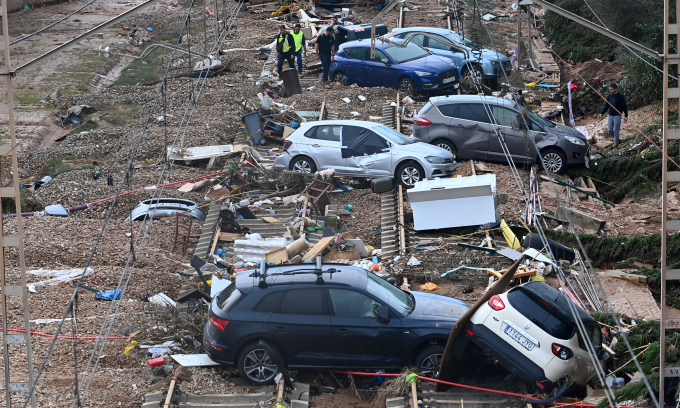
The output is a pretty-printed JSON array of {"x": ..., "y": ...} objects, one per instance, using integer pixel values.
[{"x": 18, "y": 380}]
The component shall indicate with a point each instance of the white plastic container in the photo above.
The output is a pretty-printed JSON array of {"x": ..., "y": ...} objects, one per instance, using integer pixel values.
[
  {"x": 345, "y": 12},
  {"x": 454, "y": 202}
]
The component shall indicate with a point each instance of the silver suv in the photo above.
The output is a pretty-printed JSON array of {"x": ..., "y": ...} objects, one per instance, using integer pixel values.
[{"x": 464, "y": 126}]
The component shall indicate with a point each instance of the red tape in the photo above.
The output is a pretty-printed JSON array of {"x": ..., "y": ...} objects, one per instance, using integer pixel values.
[{"x": 67, "y": 337}]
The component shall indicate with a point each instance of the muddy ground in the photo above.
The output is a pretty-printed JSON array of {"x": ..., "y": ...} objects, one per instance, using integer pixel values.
[{"x": 123, "y": 90}]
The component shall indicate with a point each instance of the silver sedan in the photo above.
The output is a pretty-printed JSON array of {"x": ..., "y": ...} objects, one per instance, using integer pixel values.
[{"x": 362, "y": 149}]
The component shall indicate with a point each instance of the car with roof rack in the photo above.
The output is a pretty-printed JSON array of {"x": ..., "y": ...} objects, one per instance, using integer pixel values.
[{"x": 326, "y": 315}]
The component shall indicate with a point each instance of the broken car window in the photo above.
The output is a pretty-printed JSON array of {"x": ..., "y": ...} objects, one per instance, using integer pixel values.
[
  {"x": 393, "y": 136},
  {"x": 347, "y": 303},
  {"x": 540, "y": 313},
  {"x": 331, "y": 133},
  {"x": 390, "y": 294},
  {"x": 408, "y": 53},
  {"x": 538, "y": 119},
  {"x": 359, "y": 141},
  {"x": 303, "y": 301}
]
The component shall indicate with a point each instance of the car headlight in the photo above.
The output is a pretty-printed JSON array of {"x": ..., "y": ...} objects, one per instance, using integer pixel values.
[
  {"x": 495, "y": 63},
  {"x": 575, "y": 140},
  {"x": 423, "y": 73},
  {"x": 437, "y": 160}
]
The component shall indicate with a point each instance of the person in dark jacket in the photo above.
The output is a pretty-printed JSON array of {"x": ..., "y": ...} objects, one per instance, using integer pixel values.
[
  {"x": 616, "y": 105},
  {"x": 285, "y": 48}
]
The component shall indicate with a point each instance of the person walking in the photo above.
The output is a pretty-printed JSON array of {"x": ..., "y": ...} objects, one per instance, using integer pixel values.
[
  {"x": 616, "y": 104},
  {"x": 284, "y": 48},
  {"x": 300, "y": 45},
  {"x": 325, "y": 50}
]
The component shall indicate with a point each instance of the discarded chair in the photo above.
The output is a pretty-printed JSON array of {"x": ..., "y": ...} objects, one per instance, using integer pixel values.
[{"x": 183, "y": 225}]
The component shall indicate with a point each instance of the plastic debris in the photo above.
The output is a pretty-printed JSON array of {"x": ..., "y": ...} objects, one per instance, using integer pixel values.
[
  {"x": 413, "y": 261},
  {"x": 129, "y": 347},
  {"x": 113, "y": 294},
  {"x": 429, "y": 286}
]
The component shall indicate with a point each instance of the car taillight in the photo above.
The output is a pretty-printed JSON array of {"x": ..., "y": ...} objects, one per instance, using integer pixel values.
[
  {"x": 421, "y": 121},
  {"x": 562, "y": 352},
  {"x": 219, "y": 323},
  {"x": 287, "y": 144},
  {"x": 496, "y": 303}
]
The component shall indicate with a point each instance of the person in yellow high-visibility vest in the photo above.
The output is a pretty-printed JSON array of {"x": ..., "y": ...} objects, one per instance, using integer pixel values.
[
  {"x": 300, "y": 45},
  {"x": 285, "y": 48}
]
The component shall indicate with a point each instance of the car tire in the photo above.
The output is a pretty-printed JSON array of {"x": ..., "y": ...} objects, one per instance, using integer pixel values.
[
  {"x": 303, "y": 164},
  {"x": 475, "y": 74},
  {"x": 256, "y": 366},
  {"x": 410, "y": 172},
  {"x": 337, "y": 77},
  {"x": 428, "y": 360},
  {"x": 447, "y": 145},
  {"x": 406, "y": 85},
  {"x": 553, "y": 160}
]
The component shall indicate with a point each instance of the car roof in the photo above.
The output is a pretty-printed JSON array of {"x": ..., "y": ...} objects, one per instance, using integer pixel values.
[
  {"x": 557, "y": 300},
  {"x": 345, "y": 275},
  {"x": 340, "y": 122},
  {"x": 435, "y": 100},
  {"x": 365, "y": 43},
  {"x": 433, "y": 30},
  {"x": 355, "y": 26}
]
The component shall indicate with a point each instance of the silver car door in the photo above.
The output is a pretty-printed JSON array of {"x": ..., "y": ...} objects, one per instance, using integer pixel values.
[
  {"x": 324, "y": 147},
  {"x": 470, "y": 129},
  {"x": 366, "y": 152},
  {"x": 516, "y": 136}
]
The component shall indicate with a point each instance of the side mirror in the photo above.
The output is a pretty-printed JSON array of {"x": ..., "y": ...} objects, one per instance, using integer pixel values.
[
  {"x": 386, "y": 61},
  {"x": 604, "y": 356},
  {"x": 522, "y": 126},
  {"x": 383, "y": 313}
]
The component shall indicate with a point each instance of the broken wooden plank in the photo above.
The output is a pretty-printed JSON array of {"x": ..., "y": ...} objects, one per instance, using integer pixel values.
[
  {"x": 577, "y": 217},
  {"x": 472, "y": 166},
  {"x": 229, "y": 236},
  {"x": 402, "y": 238},
  {"x": 277, "y": 256},
  {"x": 318, "y": 248},
  {"x": 215, "y": 239},
  {"x": 170, "y": 390},
  {"x": 344, "y": 256},
  {"x": 270, "y": 220}
]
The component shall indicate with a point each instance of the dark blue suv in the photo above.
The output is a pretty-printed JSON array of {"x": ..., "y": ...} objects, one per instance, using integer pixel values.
[{"x": 323, "y": 316}]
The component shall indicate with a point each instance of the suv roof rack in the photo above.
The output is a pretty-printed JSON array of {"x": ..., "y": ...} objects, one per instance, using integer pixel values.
[{"x": 318, "y": 271}]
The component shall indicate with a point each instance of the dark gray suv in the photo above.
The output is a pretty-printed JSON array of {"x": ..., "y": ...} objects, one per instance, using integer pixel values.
[{"x": 463, "y": 125}]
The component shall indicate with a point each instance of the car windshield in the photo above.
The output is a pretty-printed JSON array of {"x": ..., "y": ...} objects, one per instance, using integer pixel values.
[
  {"x": 457, "y": 38},
  {"x": 390, "y": 294},
  {"x": 537, "y": 118},
  {"x": 393, "y": 136},
  {"x": 408, "y": 53}
]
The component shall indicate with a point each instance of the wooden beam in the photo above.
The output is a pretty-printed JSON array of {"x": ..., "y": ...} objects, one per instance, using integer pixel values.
[
  {"x": 402, "y": 238},
  {"x": 304, "y": 215},
  {"x": 323, "y": 106},
  {"x": 277, "y": 256},
  {"x": 215, "y": 239},
  {"x": 414, "y": 394},
  {"x": 448, "y": 16},
  {"x": 401, "y": 17},
  {"x": 170, "y": 390},
  {"x": 318, "y": 248},
  {"x": 398, "y": 115},
  {"x": 279, "y": 397},
  {"x": 577, "y": 217},
  {"x": 472, "y": 166}
]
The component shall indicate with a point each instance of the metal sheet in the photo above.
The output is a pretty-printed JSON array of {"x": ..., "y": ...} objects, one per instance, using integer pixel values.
[{"x": 194, "y": 360}]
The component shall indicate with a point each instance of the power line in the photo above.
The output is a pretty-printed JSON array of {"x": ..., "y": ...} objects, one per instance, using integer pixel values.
[
  {"x": 134, "y": 257},
  {"x": 585, "y": 254},
  {"x": 96, "y": 245},
  {"x": 51, "y": 25}
]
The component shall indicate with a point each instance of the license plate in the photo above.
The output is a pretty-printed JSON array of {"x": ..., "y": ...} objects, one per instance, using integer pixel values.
[
  {"x": 447, "y": 80},
  {"x": 523, "y": 341}
]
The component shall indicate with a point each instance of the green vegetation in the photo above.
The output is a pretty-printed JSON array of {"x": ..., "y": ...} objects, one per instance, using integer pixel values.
[
  {"x": 57, "y": 166},
  {"x": 29, "y": 97},
  {"x": 117, "y": 115}
]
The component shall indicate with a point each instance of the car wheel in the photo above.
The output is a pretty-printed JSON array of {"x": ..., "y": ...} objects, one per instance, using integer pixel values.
[
  {"x": 406, "y": 85},
  {"x": 473, "y": 74},
  {"x": 448, "y": 146},
  {"x": 554, "y": 161},
  {"x": 337, "y": 76},
  {"x": 303, "y": 164},
  {"x": 429, "y": 360},
  {"x": 409, "y": 173},
  {"x": 255, "y": 365}
]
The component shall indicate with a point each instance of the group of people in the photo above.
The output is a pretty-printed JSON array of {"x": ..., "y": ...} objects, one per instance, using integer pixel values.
[{"x": 292, "y": 46}]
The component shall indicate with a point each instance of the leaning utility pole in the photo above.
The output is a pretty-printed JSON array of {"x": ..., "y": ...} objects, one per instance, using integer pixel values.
[{"x": 18, "y": 378}]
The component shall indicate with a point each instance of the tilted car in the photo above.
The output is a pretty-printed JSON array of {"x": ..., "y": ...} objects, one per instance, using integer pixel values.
[
  {"x": 323, "y": 316},
  {"x": 463, "y": 125},
  {"x": 409, "y": 68},
  {"x": 531, "y": 331},
  {"x": 490, "y": 66},
  {"x": 165, "y": 207},
  {"x": 356, "y": 148}
]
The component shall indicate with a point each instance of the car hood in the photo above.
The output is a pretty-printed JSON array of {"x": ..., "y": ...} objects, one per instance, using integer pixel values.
[
  {"x": 562, "y": 130},
  {"x": 429, "y": 304},
  {"x": 492, "y": 56},
  {"x": 431, "y": 63},
  {"x": 424, "y": 149}
]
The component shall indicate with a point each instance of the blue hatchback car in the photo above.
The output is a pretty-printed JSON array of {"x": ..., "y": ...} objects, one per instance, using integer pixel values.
[{"x": 409, "y": 68}]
